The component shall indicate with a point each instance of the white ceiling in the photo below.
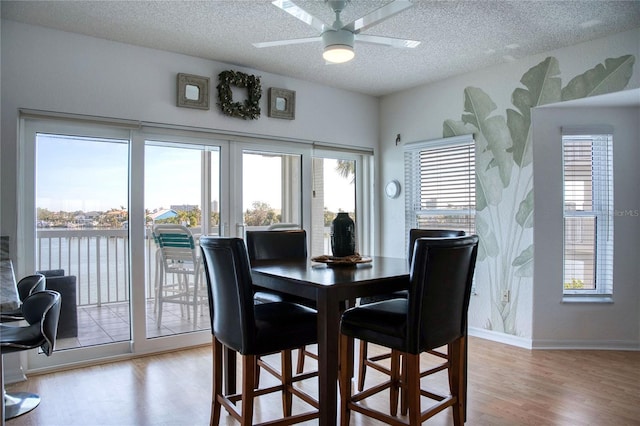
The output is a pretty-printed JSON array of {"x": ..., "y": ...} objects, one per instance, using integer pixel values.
[{"x": 457, "y": 36}]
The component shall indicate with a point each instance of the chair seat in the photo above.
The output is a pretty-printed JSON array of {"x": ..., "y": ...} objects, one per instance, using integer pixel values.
[
  {"x": 383, "y": 323},
  {"x": 400, "y": 294},
  {"x": 283, "y": 325},
  {"x": 16, "y": 338}
]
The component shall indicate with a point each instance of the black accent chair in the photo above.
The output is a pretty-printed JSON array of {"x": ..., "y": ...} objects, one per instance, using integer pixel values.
[
  {"x": 433, "y": 315},
  {"x": 270, "y": 246},
  {"x": 66, "y": 286},
  {"x": 26, "y": 286},
  {"x": 253, "y": 330},
  {"x": 41, "y": 310},
  {"x": 374, "y": 361}
]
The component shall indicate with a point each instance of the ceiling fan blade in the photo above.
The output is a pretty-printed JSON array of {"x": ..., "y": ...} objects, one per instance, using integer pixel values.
[
  {"x": 294, "y": 10},
  {"x": 378, "y": 15},
  {"x": 287, "y": 42},
  {"x": 387, "y": 41}
]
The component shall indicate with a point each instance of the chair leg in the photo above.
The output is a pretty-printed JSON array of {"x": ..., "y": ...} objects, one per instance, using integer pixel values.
[
  {"x": 346, "y": 374},
  {"x": 248, "y": 380},
  {"x": 217, "y": 381},
  {"x": 300, "y": 365},
  {"x": 413, "y": 387},
  {"x": 362, "y": 366},
  {"x": 457, "y": 378},
  {"x": 287, "y": 397},
  {"x": 404, "y": 400},
  {"x": 395, "y": 383}
]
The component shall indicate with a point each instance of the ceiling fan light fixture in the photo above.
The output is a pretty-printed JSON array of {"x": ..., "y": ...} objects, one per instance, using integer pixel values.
[
  {"x": 338, "y": 46},
  {"x": 338, "y": 54}
]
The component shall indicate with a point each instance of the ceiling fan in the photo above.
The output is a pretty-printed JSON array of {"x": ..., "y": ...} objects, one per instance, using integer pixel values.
[{"x": 338, "y": 38}]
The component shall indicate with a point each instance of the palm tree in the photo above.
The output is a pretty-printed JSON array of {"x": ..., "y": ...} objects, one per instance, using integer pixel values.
[{"x": 347, "y": 168}]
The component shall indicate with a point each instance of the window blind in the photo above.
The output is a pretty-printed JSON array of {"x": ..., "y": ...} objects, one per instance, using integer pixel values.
[
  {"x": 440, "y": 184},
  {"x": 588, "y": 213}
]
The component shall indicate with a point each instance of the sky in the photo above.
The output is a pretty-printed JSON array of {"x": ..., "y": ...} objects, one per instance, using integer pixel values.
[{"x": 73, "y": 175}]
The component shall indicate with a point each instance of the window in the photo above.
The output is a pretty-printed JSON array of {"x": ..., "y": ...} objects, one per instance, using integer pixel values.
[
  {"x": 588, "y": 212},
  {"x": 440, "y": 184}
]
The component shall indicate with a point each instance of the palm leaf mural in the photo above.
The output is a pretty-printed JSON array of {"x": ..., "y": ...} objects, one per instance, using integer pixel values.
[
  {"x": 544, "y": 88},
  {"x": 613, "y": 76},
  {"x": 504, "y": 173}
]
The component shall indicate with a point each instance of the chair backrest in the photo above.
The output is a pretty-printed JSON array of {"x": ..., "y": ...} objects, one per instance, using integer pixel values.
[
  {"x": 52, "y": 273},
  {"x": 415, "y": 233},
  {"x": 43, "y": 307},
  {"x": 30, "y": 284},
  {"x": 176, "y": 245},
  {"x": 230, "y": 291},
  {"x": 439, "y": 290},
  {"x": 277, "y": 245}
]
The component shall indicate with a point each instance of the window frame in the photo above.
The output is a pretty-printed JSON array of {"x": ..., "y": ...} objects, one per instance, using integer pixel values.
[
  {"x": 413, "y": 181},
  {"x": 602, "y": 209}
]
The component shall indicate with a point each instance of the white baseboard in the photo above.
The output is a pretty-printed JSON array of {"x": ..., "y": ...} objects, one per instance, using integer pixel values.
[
  {"x": 508, "y": 339},
  {"x": 600, "y": 345},
  {"x": 610, "y": 345}
]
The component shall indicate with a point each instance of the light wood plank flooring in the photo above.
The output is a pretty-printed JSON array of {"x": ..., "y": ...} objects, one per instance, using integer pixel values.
[{"x": 507, "y": 386}]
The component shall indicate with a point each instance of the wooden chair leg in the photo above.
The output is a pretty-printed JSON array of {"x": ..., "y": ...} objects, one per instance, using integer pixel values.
[
  {"x": 404, "y": 400},
  {"x": 413, "y": 387},
  {"x": 217, "y": 381},
  {"x": 287, "y": 397},
  {"x": 300, "y": 366},
  {"x": 394, "y": 391},
  {"x": 456, "y": 352},
  {"x": 248, "y": 380},
  {"x": 362, "y": 366},
  {"x": 346, "y": 374}
]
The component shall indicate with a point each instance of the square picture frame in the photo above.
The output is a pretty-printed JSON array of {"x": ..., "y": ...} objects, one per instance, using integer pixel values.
[
  {"x": 282, "y": 103},
  {"x": 193, "y": 91}
]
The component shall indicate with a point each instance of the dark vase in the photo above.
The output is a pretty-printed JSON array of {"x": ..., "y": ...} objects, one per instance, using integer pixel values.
[{"x": 343, "y": 236}]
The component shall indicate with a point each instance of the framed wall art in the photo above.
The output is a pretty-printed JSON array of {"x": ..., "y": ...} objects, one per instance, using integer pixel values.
[
  {"x": 193, "y": 91},
  {"x": 282, "y": 103}
]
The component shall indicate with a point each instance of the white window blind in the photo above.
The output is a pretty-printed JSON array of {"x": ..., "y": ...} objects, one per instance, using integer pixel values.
[
  {"x": 440, "y": 180},
  {"x": 588, "y": 212}
]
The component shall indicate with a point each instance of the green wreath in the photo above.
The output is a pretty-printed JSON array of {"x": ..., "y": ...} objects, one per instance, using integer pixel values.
[{"x": 250, "y": 108}]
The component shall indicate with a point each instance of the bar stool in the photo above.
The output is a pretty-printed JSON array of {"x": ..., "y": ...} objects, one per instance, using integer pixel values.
[
  {"x": 41, "y": 310},
  {"x": 374, "y": 361},
  {"x": 280, "y": 245},
  {"x": 433, "y": 315},
  {"x": 253, "y": 330}
]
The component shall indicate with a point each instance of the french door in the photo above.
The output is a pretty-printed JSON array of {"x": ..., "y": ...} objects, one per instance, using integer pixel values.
[{"x": 90, "y": 195}]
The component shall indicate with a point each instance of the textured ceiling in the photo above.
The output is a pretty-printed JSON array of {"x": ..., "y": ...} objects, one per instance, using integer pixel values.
[{"x": 456, "y": 36}]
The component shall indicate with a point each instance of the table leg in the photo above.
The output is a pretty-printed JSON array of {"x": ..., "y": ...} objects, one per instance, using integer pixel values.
[{"x": 328, "y": 335}]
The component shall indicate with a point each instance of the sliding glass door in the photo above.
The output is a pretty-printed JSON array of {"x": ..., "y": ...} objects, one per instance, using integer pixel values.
[{"x": 92, "y": 195}]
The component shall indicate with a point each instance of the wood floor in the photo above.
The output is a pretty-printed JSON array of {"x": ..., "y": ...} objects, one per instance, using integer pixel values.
[{"x": 507, "y": 386}]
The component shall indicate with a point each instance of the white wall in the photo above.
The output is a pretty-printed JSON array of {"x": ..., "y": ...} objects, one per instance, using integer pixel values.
[
  {"x": 56, "y": 71},
  {"x": 419, "y": 114},
  {"x": 557, "y": 324}
]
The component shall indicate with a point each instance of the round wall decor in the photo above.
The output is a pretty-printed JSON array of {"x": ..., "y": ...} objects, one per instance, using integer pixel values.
[{"x": 392, "y": 189}]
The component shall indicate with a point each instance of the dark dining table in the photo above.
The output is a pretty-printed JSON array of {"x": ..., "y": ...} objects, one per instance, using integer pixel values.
[{"x": 329, "y": 287}]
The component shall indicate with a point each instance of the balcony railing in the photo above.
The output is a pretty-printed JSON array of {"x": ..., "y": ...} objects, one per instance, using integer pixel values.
[{"x": 99, "y": 258}]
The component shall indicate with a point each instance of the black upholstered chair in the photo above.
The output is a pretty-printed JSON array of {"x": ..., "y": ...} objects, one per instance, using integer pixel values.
[
  {"x": 41, "y": 310},
  {"x": 253, "y": 330},
  {"x": 364, "y": 360},
  {"x": 66, "y": 285},
  {"x": 26, "y": 286},
  {"x": 285, "y": 245},
  {"x": 433, "y": 315}
]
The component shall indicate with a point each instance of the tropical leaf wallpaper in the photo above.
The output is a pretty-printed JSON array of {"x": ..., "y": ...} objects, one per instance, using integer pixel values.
[{"x": 504, "y": 174}]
